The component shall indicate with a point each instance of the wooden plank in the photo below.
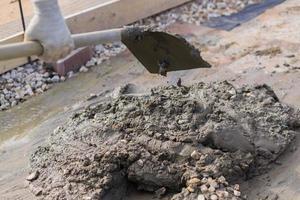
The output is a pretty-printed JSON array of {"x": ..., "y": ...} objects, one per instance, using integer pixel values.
[
  {"x": 118, "y": 13},
  {"x": 11, "y": 64},
  {"x": 112, "y": 14},
  {"x": 11, "y": 24},
  {"x": 19, "y": 37}
]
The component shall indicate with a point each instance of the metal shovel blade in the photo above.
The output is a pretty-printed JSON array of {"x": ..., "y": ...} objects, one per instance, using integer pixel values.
[{"x": 161, "y": 52}]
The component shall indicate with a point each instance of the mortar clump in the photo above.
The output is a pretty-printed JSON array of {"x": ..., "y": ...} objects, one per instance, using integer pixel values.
[{"x": 190, "y": 142}]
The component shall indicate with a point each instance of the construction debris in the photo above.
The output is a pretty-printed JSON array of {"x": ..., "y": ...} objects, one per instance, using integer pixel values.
[{"x": 186, "y": 143}]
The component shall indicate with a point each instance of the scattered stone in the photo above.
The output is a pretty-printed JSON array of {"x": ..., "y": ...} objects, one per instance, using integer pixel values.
[
  {"x": 195, "y": 155},
  {"x": 19, "y": 84},
  {"x": 211, "y": 189},
  {"x": 117, "y": 92},
  {"x": 14, "y": 103},
  {"x": 194, "y": 182},
  {"x": 222, "y": 180},
  {"x": 83, "y": 69},
  {"x": 55, "y": 79},
  {"x": 91, "y": 62},
  {"x": 160, "y": 192},
  {"x": 191, "y": 189},
  {"x": 271, "y": 52},
  {"x": 204, "y": 188},
  {"x": 201, "y": 197},
  {"x": 236, "y": 193},
  {"x": 214, "y": 197},
  {"x": 92, "y": 96},
  {"x": 70, "y": 74},
  {"x": 33, "y": 176}
]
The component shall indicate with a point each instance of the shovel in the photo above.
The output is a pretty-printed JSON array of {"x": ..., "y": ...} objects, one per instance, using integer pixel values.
[{"x": 159, "y": 52}]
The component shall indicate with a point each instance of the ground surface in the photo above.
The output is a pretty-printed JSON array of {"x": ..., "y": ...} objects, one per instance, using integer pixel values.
[{"x": 265, "y": 50}]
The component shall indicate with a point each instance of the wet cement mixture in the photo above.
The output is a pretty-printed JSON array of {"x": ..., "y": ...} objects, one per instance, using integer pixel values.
[{"x": 180, "y": 143}]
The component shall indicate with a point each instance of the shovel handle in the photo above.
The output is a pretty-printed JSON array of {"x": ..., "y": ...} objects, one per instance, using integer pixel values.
[{"x": 31, "y": 48}]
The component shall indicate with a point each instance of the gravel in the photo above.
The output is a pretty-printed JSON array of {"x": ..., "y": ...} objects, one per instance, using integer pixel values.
[
  {"x": 197, "y": 12},
  {"x": 19, "y": 84},
  {"x": 23, "y": 82}
]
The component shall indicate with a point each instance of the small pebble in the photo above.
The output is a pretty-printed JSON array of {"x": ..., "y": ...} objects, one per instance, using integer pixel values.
[
  {"x": 33, "y": 176},
  {"x": 201, "y": 197},
  {"x": 203, "y": 188},
  {"x": 195, "y": 155},
  {"x": 194, "y": 182},
  {"x": 55, "y": 79},
  {"x": 236, "y": 193},
  {"x": 214, "y": 197},
  {"x": 83, "y": 69},
  {"x": 190, "y": 189},
  {"x": 211, "y": 189}
]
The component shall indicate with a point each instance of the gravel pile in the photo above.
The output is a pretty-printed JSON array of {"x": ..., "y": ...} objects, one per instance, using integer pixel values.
[
  {"x": 18, "y": 85},
  {"x": 197, "y": 12},
  {"x": 185, "y": 143},
  {"x": 23, "y": 82}
]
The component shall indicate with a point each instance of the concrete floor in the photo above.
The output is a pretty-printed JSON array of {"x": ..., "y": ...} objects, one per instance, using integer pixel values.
[{"x": 235, "y": 58}]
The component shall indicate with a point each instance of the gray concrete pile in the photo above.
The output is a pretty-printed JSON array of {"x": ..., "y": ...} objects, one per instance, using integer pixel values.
[{"x": 182, "y": 143}]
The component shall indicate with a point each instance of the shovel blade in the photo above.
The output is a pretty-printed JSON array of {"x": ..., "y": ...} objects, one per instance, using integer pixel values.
[{"x": 161, "y": 52}]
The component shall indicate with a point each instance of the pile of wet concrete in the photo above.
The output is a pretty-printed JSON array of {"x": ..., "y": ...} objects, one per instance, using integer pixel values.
[{"x": 180, "y": 143}]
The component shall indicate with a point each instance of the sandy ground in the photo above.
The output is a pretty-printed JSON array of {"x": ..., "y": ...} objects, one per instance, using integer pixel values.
[{"x": 264, "y": 50}]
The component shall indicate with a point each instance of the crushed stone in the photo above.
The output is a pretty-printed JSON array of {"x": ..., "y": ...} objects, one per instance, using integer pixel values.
[
  {"x": 197, "y": 12},
  {"x": 187, "y": 143}
]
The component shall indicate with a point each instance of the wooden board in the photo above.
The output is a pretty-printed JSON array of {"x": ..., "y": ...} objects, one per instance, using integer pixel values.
[
  {"x": 118, "y": 13},
  {"x": 10, "y": 22},
  {"x": 115, "y": 13}
]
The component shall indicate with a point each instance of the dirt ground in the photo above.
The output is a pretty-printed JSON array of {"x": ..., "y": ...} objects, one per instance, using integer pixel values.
[{"x": 264, "y": 50}]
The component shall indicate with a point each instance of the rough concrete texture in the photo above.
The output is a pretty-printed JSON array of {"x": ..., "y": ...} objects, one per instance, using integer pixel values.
[{"x": 187, "y": 143}]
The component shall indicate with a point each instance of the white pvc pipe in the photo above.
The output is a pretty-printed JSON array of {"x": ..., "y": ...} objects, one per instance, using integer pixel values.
[
  {"x": 25, "y": 49},
  {"x": 98, "y": 37}
]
